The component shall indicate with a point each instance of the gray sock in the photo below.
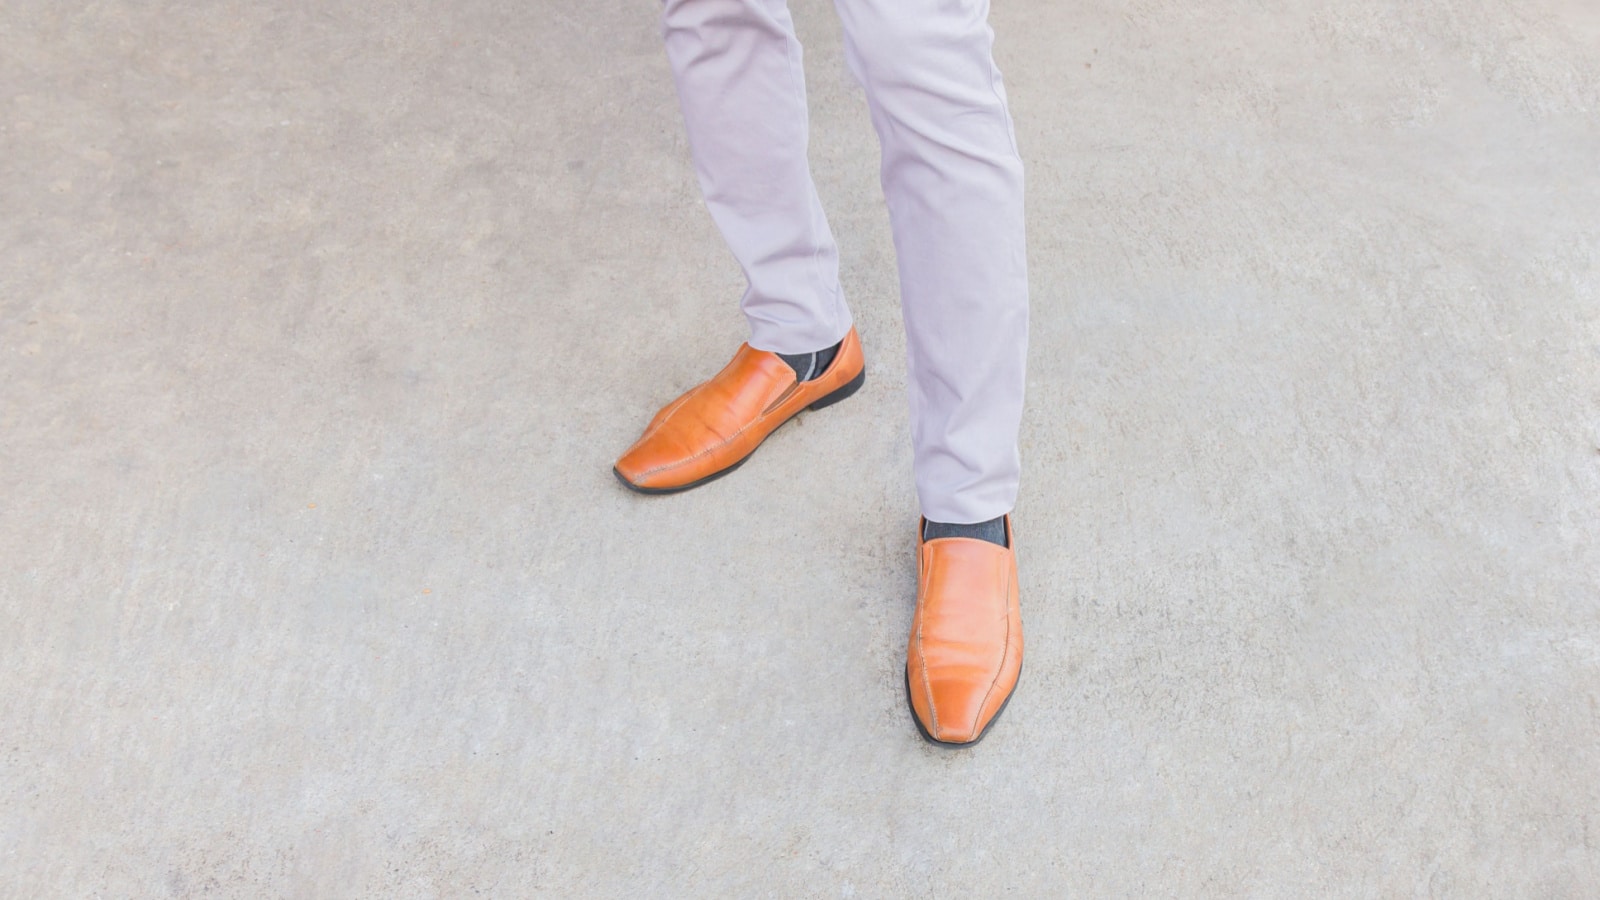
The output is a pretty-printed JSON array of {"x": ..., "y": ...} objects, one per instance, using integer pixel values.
[
  {"x": 993, "y": 531},
  {"x": 810, "y": 366}
]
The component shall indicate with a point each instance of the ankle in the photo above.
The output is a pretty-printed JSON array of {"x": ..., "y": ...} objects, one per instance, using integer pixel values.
[
  {"x": 811, "y": 366},
  {"x": 993, "y": 531}
]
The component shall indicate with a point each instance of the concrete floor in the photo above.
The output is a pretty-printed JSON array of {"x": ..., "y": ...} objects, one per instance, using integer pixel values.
[{"x": 321, "y": 323}]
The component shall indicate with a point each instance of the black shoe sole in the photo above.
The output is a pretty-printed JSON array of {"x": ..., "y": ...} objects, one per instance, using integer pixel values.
[
  {"x": 955, "y": 745},
  {"x": 839, "y": 393},
  {"x": 842, "y": 392}
]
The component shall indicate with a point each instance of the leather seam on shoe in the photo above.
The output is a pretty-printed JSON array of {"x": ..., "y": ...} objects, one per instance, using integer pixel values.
[
  {"x": 711, "y": 449},
  {"x": 927, "y": 688},
  {"x": 730, "y": 438},
  {"x": 668, "y": 413},
  {"x": 1004, "y": 654},
  {"x": 788, "y": 392},
  {"x": 689, "y": 459}
]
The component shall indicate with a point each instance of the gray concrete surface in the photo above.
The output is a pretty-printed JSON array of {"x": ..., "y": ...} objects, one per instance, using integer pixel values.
[{"x": 321, "y": 323}]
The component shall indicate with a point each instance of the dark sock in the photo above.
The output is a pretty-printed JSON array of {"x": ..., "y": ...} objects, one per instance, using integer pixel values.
[
  {"x": 993, "y": 531},
  {"x": 810, "y": 366}
]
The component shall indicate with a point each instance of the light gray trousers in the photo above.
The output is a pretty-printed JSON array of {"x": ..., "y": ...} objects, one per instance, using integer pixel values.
[{"x": 953, "y": 182}]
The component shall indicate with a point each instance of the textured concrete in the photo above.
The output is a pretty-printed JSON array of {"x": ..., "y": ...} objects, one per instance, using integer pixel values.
[{"x": 320, "y": 324}]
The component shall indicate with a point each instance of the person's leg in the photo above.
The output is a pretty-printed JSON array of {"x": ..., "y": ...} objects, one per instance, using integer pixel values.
[
  {"x": 953, "y": 182},
  {"x": 737, "y": 65}
]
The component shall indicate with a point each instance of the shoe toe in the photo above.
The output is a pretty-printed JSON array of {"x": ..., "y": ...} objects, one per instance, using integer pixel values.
[
  {"x": 659, "y": 461},
  {"x": 953, "y": 703},
  {"x": 635, "y": 467}
]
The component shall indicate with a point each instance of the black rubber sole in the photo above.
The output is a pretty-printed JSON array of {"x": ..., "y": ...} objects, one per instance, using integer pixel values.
[
  {"x": 681, "y": 488},
  {"x": 955, "y": 745},
  {"x": 840, "y": 393}
]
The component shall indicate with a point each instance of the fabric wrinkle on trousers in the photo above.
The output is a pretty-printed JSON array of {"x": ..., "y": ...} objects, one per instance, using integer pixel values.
[{"x": 952, "y": 181}]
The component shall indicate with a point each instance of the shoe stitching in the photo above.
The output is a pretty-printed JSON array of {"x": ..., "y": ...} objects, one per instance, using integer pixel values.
[
  {"x": 689, "y": 459},
  {"x": 667, "y": 414},
  {"x": 1004, "y": 654},
  {"x": 718, "y": 446},
  {"x": 714, "y": 447},
  {"x": 927, "y": 689}
]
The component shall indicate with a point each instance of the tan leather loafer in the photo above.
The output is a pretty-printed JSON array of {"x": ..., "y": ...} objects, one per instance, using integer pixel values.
[
  {"x": 965, "y": 651},
  {"x": 712, "y": 429}
]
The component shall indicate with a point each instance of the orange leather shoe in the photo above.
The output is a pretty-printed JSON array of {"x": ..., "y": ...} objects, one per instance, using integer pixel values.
[
  {"x": 712, "y": 429},
  {"x": 966, "y": 638}
]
